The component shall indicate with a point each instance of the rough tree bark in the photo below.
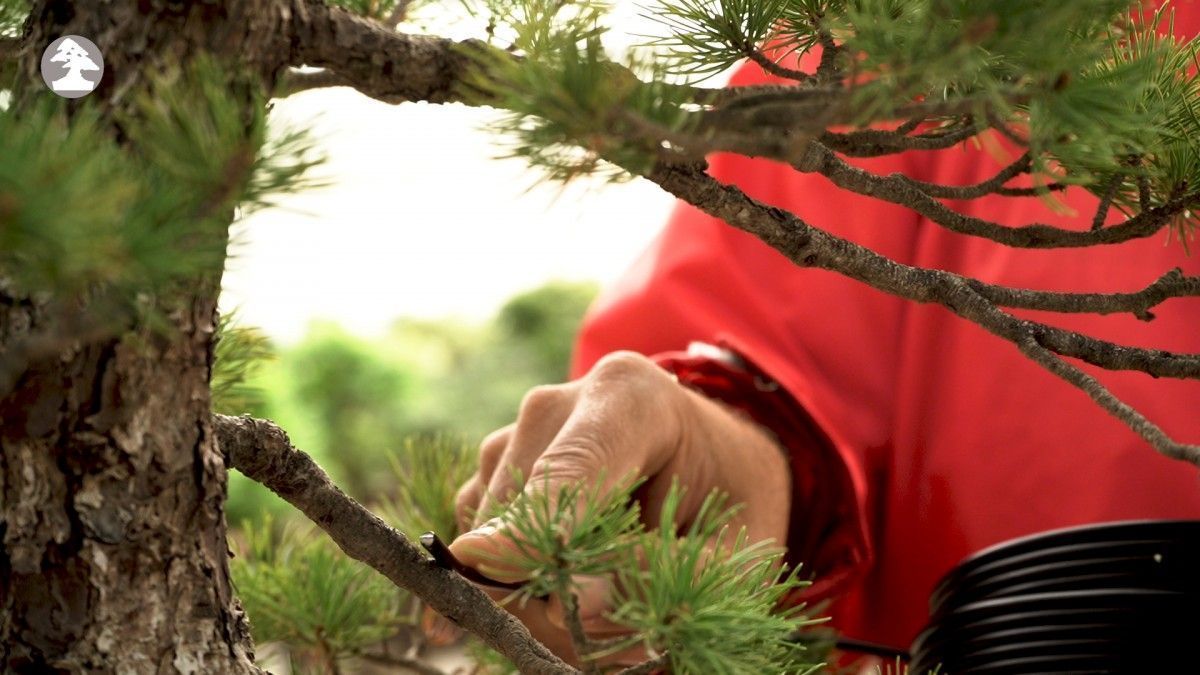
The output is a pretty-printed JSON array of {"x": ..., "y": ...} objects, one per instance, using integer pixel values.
[{"x": 113, "y": 556}]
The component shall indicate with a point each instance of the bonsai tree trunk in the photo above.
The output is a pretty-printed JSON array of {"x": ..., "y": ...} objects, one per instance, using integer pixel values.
[{"x": 113, "y": 555}]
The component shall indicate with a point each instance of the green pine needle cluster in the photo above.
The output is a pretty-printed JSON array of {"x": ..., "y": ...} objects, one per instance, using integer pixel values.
[
  {"x": 301, "y": 590},
  {"x": 708, "y": 597},
  {"x": 568, "y": 531},
  {"x": 706, "y": 37},
  {"x": 427, "y": 473},
  {"x": 1104, "y": 98},
  {"x": 1161, "y": 152},
  {"x": 711, "y": 598},
  {"x": 238, "y": 352},
  {"x": 570, "y": 111},
  {"x": 81, "y": 210}
]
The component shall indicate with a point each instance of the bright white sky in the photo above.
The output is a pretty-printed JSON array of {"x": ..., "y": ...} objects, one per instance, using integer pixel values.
[{"x": 419, "y": 219}]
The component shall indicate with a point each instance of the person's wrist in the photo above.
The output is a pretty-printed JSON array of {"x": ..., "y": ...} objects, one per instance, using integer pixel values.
[{"x": 727, "y": 450}]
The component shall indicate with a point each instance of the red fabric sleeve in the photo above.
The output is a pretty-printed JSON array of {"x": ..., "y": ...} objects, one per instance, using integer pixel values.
[{"x": 824, "y": 539}]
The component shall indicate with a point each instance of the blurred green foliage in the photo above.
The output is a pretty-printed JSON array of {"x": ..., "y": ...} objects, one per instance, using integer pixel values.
[
  {"x": 351, "y": 402},
  {"x": 301, "y": 590}
]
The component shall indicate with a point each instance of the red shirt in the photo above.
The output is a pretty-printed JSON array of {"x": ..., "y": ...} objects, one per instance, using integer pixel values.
[{"x": 916, "y": 437}]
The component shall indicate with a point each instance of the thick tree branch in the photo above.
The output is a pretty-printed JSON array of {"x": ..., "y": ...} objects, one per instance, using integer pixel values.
[
  {"x": 385, "y": 65},
  {"x": 262, "y": 451}
]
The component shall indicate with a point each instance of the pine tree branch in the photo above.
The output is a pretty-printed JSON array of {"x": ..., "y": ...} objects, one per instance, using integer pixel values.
[
  {"x": 1152, "y": 433},
  {"x": 438, "y": 67},
  {"x": 1033, "y": 191},
  {"x": 383, "y": 64},
  {"x": 1173, "y": 284},
  {"x": 770, "y": 66},
  {"x": 811, "y": 247},
  {"x": 1019, "y": 166},
  {"x": 579, "y": 638},
  {"x": 876, "y": 142},
  {"x": 262, "y": 451},
  {"x": 902, "y": 190},
  {"x": 829, "y": 69},
  {"x": 1106, "y": 202}
]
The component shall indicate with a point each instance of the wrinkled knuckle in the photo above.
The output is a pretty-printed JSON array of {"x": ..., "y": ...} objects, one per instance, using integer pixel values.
[
  {"x": 625, "y": 366},
  {"x": 540, "y": 401}
]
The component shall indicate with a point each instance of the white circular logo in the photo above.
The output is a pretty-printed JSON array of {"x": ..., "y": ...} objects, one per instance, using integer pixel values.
[{"x": 72, "y": 66}]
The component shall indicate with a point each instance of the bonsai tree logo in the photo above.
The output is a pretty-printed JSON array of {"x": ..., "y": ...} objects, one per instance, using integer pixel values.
[{"x": 66, "y": 60}]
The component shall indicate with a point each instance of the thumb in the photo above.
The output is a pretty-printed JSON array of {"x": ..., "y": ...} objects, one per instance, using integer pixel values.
[{"x": 491, "y": 549}]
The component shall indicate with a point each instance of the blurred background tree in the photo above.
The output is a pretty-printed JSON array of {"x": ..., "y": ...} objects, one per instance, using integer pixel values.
[{"x": 349, "y": 400}]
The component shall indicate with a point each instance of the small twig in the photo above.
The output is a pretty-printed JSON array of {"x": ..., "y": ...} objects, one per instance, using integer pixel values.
[
  {"x": 767, "y": 64},
  {"x": 327, "y": 654},
  {"x": 909, "y": 126},
  {"x": 1106, "y": 202},
  {"x": 1173, "y": 284},
  {"x": 647, "y": 667},
  {"x": 1006, "y": 131},
  {"x": 579, "y": 639},
  {"x": 876, "y": 142},
  {"x": 1151, "y": 432},
  {"x": 901, "y": 190},
  {"x": 1144, "y": 201},
  {"x": 829, "y": 69},
  {"x": 989, "y": 186},
  {"x": 1032, "y": 191}
]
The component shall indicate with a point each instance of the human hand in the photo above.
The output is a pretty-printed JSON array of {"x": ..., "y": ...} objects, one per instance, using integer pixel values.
[{"x": 626, "y": 417}]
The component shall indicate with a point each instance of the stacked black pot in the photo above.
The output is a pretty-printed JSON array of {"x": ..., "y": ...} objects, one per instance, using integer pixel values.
[{"x": 1109, "y": 598}]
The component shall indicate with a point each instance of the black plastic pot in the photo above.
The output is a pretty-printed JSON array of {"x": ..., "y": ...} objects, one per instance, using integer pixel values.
[{"x": 1113, "y": 598}]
